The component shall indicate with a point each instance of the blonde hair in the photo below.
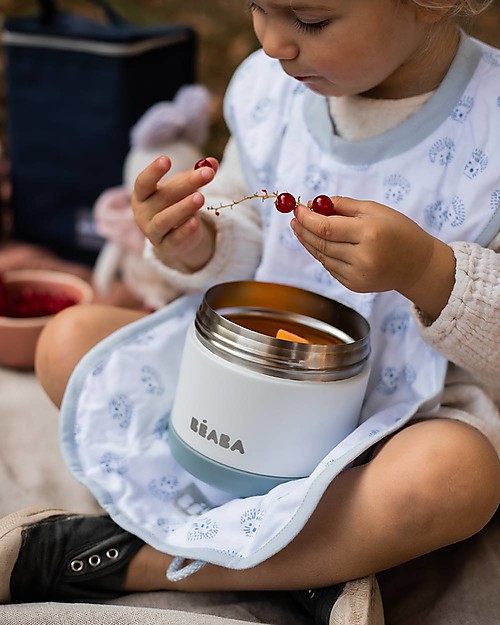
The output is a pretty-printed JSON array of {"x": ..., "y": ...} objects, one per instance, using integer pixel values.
[{"x": 460, "y": 8}]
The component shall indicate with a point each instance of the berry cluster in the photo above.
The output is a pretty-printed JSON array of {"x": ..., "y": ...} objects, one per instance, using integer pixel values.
[
  {"x": 29, "y": 302},
  {"x": 284, "y": 202}
]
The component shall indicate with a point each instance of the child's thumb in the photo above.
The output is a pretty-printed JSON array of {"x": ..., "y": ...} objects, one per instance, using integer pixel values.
[{"x": 345, "y": 206}]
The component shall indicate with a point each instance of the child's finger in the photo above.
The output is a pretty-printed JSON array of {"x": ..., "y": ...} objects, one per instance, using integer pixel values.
[
  {"x": 147, "y": 181},
  {"x": 174, "y": 216},
  {"x": 322, "y": 248},
  {"x": 184, "y": 231},
  {"x": 338, "y": 267},
  {"x": 336, "y": 228},
  {"x": 346, "y": 206},
  {"x": 181, "y": 185}
]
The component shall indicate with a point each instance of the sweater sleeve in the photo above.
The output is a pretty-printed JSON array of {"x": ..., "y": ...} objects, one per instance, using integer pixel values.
[
  {"x": 238, "y": 243},
  {"x": 467, "y": 331}
]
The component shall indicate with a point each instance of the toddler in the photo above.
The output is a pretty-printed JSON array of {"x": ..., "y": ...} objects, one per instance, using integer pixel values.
[{"x": 390, "y": 108}]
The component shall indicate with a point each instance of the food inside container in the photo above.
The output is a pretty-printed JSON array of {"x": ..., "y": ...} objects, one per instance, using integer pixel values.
[{"x": 271, "y": 324}]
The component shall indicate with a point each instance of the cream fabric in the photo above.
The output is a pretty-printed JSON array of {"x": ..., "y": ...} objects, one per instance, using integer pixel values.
[
  {"x": 357, "y": 118},
  {"x": 83, "y": 614}
]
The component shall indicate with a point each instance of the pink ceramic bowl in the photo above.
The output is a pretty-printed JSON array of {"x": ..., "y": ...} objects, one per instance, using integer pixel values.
[{"x": 19, "y": 336}]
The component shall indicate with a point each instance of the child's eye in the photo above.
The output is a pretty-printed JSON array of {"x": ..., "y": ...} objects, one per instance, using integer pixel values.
[
  {"x": 310, "y": 27},
  {"x": 303, "y": 27},
  {"x": 252, "y": 7}
]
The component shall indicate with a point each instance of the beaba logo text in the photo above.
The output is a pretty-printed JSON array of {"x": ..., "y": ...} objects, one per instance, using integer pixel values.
[{"x": 223, "y": 440}]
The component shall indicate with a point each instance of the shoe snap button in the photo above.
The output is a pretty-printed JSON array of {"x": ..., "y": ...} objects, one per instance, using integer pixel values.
[
  {"x": 112, "y": 554},
  {"x": 77, "y": 565},
  {"x": 95, "y": 560}
]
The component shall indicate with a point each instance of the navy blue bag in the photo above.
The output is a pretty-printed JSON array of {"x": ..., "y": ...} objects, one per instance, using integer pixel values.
[{"x": 75, "y": 87}]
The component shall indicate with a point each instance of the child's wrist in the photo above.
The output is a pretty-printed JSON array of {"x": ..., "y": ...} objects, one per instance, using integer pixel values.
[{"x": 432, "y": 290}]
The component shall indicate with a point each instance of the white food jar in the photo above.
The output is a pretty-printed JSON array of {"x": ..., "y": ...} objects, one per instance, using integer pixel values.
[{"x": 252, "y": 411}]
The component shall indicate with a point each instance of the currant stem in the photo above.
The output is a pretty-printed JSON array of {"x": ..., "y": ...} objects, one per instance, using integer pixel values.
[{"x": 261, "y": 196}]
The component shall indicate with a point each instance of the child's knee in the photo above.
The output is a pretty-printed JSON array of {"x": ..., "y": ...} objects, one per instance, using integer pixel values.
[
  {"x": 58, "y": 350},
  {"x": 474, "y": 483},
  {"x": 69, "y": 336},
  {"x": 446, "y": 482}
]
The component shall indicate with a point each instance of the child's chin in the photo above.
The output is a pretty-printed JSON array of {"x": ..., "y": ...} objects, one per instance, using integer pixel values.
[
  {"x": 316, "y": 88},
  {"x": 319, "y": 87}
]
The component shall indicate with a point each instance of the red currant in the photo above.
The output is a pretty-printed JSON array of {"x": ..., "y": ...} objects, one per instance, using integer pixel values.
[
  {"x": 204, "y": 162},
  {"x": 285, "y": 203},
  {"x": 323, "y": 205},
  {"x": 29, "y": 302},
  {"x": 3, "y": 298}
]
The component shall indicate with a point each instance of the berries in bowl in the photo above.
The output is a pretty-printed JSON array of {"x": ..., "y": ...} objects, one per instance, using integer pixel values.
[{"x": 29, "y": 298}]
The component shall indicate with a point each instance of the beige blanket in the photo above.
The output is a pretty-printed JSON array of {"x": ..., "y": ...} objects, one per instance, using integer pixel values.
[{"x": 458, "y": 585}]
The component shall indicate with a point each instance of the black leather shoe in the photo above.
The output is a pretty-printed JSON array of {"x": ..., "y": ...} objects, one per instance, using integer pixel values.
[
  {"x": 358, "y": 601},
  {"x": 56, "y": 555}
]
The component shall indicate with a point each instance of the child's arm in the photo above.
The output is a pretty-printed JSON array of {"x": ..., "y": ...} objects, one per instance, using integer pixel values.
[{"x": 369, "y": 247}]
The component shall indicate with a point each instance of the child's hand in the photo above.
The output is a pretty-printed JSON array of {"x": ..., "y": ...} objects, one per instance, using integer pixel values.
[
  {"x": 369, "y": 247},
  {"x": 167, "y": 214}
]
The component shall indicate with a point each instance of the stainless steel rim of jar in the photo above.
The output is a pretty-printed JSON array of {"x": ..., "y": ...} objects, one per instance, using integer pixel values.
[{"x": 275, "y": 357}]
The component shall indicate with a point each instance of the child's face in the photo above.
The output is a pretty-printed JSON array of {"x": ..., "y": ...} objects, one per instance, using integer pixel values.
[{"x": 345, "y": 47}]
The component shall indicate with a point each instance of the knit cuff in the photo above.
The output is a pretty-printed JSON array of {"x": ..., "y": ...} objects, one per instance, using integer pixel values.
[{"x": 468, "y": 329}]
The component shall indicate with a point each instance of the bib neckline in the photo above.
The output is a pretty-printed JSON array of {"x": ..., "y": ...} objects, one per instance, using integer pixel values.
[{"x": 409, "y": 133}]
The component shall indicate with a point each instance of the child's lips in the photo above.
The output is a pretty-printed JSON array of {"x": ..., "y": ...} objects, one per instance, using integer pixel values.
[
  {"x": 305, "y": 78},
  {"x": 313, "y": 83}
]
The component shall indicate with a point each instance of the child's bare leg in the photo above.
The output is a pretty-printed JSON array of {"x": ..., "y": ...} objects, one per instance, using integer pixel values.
[
  {"x": 434, "y": 483},
  {"x": 69, "y": 336}
]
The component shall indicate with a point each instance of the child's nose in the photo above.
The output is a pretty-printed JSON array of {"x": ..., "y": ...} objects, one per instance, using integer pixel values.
[{"x": 279, "y": 46}]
